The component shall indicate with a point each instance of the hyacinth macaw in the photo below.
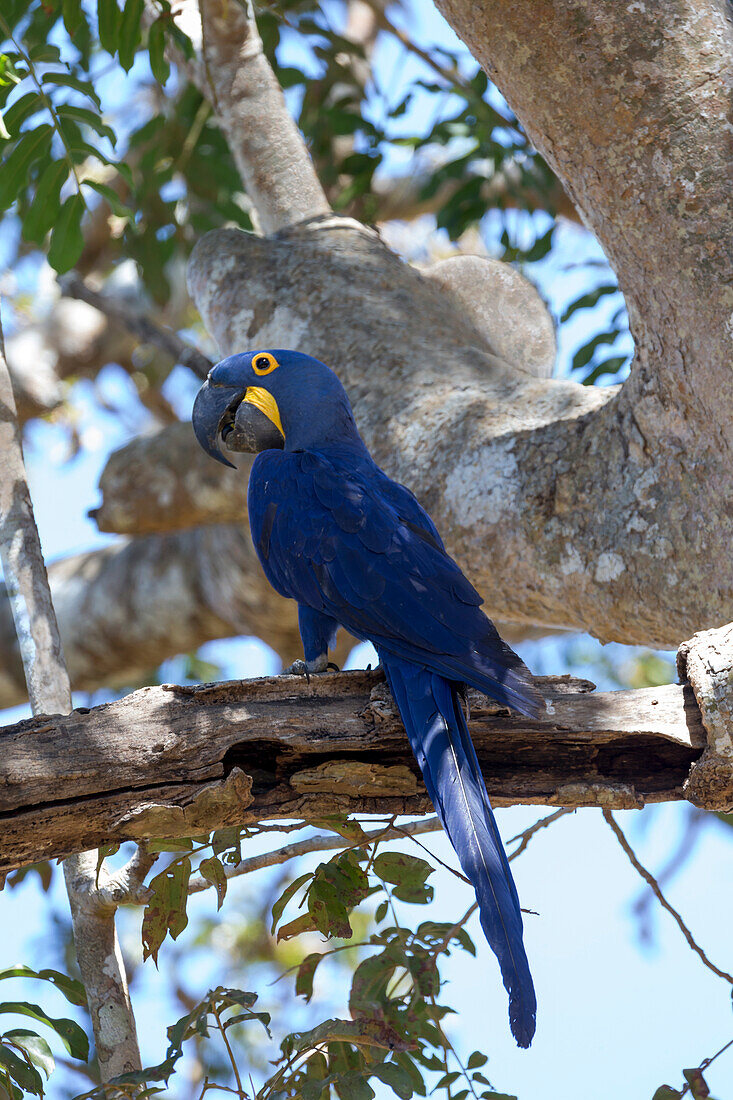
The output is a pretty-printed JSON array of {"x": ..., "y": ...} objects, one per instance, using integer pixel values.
[{"x": 355, "y": 549}]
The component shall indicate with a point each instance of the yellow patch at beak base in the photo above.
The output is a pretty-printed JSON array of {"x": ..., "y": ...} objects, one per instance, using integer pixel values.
[{"x": 266, "y": 403}]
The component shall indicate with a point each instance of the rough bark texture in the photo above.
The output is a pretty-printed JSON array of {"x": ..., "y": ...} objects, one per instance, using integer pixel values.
[
  {"x": 171, "y": 761},
  {"x": 707, "y": 662},
  {"x": 544, "y": 490}
]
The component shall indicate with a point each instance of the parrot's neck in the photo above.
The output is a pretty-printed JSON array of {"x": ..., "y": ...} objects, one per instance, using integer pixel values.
[{"x": 331, "y": 424}]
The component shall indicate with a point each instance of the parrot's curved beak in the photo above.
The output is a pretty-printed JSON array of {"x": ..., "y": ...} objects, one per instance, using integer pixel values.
[
  {"x": 235, "y": 416},
  {"x": 214, "y": 405}
]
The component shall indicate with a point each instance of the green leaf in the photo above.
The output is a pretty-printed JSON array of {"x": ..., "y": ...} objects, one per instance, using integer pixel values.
[
  {"x": 666, "y": 1092},
  {"x": 72, "y": 990},
  {"x": 44, "y": 209},
  {"x": 68, "y": 80},
  {"x": 337, "y": 887},
  {"x": 122, "y": 210},
  {"x": 103, "y": 851},
  {"x": 9, "y": 74},
  {"x": 167, "y": 844},
  {"x": 87, "y": 118},
  {"x": 587, "y": 301},
  {"x": 21, "y": 1071},
  {"x": 540, "y": 248},
  {"x": 397, "y": 1079},
  {"x": 698, "y": 1085},
  {"x": 408, "y": 1065},
  {"x": 72, "y": 13},
  {"x": 35, "y": 1047},
  {"x": 212, "y": 870},
  {"x": 408, "y": 874},
  {"x": 306, "y": 974},
  {"x": 108, "y": 23},
  {"x": 28, "y": 104},
  {"x": 289, "y": 892},
  {"x": 69, "y": 1032},
  {"x": 369, "y": 985},
  {"x": 585, "y": 353},
  {"x": 130, "y": 28},
  {"x": 476, "y": 1060},
  {"x": 352, "y": 1086},
  {"x": 159, "y": 66},
  {"x": 29, "y": 148},
  {"x": 225, "y": 839},
  {"x": 608, "y": 366},
  {"x": 67, "y": 241},
  {"x": 360, "y": 1033},
  {"x": 165, "y": 913}
]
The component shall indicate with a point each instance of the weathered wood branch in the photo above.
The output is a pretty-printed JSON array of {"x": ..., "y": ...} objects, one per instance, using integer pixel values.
[{"x": 172, "y": 761}]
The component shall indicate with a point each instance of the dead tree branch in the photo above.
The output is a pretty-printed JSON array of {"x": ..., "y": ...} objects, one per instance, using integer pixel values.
[{"x": 172, "y": 761}]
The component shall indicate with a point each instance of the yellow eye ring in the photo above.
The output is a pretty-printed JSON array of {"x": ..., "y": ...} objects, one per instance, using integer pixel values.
[{"x": 264, "y": 363}]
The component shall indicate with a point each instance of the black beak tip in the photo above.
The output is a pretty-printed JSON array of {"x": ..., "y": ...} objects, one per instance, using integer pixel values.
[{"x": 208, "y": 409}]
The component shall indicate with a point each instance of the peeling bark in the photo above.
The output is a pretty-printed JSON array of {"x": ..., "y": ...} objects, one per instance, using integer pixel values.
[{"x": 172, "y": 761}]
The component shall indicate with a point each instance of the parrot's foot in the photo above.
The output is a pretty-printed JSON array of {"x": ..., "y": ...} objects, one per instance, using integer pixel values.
[{"x": 316, "y": 667}]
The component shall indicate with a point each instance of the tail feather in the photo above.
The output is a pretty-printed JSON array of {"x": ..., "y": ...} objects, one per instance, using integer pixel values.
[{"x": 442, "y": 745}]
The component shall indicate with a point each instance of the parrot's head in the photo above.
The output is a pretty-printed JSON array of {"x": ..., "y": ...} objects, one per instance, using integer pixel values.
[{"x": 260, "y": 400}]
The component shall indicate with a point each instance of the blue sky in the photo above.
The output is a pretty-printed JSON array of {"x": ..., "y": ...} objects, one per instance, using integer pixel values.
[{"x": 616, "y": 1018}]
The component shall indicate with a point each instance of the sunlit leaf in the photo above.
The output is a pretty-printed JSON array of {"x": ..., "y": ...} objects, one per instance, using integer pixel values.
[
  {"x": 71, "y": 1035},
  {"x": 67, "y": 240}
]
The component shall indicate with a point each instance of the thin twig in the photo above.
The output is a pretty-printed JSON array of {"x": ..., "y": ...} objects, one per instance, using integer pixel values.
[
  {"x": 140, "y": 325},
  {"x": 652, "y": 882},
  {"x": 230, "y": 1052},
  {"x": 320, "y": 843},
  {"x": 543, "y": 822}
]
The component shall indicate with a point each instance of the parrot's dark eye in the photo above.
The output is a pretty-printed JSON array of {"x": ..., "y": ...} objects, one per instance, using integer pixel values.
[{"x": 264, "y": 363}]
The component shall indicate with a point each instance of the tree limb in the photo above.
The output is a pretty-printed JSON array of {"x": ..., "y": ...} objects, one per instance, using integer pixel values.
[
  {"x": 173, "y": 761},
  {"x": 642, "y": 145},
  {"x": 95, "y": 936},
  {"x": 267, "y": 148},
  {"x": 137, "y": 323}
]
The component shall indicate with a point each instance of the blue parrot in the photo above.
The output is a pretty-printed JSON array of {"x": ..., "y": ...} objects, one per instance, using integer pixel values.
[{"x": 355, "y": 549}]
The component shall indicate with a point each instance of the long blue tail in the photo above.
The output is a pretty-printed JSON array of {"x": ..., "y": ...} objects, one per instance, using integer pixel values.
[{"x": 436, "y": 726}]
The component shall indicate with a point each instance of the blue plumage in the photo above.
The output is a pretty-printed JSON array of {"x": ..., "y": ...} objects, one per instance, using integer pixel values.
[{"x": 354, "y": 548}]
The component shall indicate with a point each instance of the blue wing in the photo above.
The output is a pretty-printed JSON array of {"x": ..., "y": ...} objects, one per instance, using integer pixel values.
[{"x": 334, "y": 532}]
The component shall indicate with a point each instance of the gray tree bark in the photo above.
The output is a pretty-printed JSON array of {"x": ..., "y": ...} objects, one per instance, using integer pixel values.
[{"x": 95, "y": 936}]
